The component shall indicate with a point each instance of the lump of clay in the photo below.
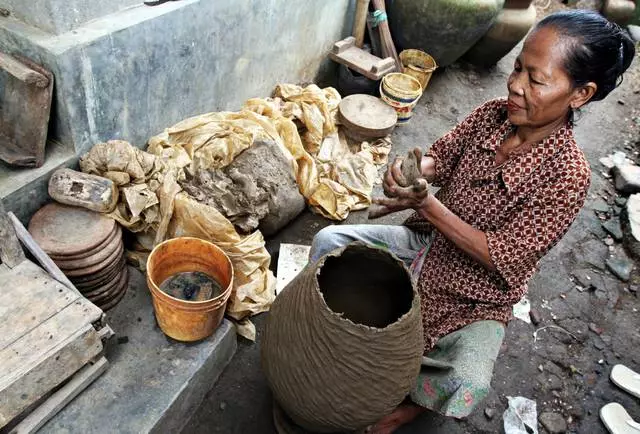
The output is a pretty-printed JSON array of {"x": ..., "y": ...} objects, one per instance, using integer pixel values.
[
  {"x": 343, "y": 342},
  {"x": 257, "y": 190}
]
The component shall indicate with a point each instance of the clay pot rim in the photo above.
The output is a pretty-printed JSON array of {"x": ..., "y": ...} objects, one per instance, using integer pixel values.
[
  {"x": 336, "y": 253},
  {"x": 217, "y": 301}
]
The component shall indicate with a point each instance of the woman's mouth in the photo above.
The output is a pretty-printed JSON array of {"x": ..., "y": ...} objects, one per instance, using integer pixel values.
[{"x": 513, "y": 107}]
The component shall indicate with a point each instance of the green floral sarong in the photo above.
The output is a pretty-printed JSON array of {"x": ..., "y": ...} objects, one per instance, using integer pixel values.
[{"x": 456, "y": 375}]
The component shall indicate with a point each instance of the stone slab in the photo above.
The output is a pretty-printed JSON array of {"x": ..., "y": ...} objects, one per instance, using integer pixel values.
[{"x": 153, "y": 384}]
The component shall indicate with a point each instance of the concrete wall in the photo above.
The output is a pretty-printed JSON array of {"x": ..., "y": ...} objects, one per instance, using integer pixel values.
[
  {"x": 135, "y": 71},
  {"x": 132, "y": 73},
  {"x": 55, "y": 16}
]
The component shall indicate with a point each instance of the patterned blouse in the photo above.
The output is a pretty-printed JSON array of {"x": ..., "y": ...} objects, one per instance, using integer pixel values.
[{"x": 523, "y": 206}]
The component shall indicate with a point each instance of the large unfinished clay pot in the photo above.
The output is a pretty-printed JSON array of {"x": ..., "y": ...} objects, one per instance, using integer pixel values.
[{"x": 343, "y": 342}]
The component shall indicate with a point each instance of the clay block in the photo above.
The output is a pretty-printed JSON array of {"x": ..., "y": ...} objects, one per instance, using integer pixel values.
[
  {"x": 80, "y": 189},
  {"x": 25, "y": 106},
  {"x": 257, "y": 190}
]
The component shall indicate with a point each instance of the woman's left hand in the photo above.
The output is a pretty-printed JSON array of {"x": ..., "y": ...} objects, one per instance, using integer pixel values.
[{"x": 398, "y": 197}]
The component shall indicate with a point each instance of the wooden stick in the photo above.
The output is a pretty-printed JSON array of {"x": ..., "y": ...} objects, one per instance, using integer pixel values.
[
  {"x": 11, "y": 252},
  {"x": 22, "y": 72},
  {"x": 40, "y": 255},
  {"x": 360, "y": 22},
  {"x": 388, "y": 49}
]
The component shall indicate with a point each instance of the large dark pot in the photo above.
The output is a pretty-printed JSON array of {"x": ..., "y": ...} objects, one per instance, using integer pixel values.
[
  {"x": 343, "y": 342},
  {"x": 445, "y": 29},
  {"x": 511, "y": 26}
]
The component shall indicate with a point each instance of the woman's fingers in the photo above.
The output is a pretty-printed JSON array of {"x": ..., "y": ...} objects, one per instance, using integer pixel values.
[
  {"x": 396, "y": 172},
  {"x": 376, "y": 211},
  {"x": 421, "y": 187},
  {"x": 390, "y": 183},
  {"x": 418, "y": 153}
]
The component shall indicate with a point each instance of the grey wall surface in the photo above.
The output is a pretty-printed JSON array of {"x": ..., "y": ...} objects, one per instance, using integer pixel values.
[
  {"x": 132, "y": 73},
  {"x": 59, "y": 16}
]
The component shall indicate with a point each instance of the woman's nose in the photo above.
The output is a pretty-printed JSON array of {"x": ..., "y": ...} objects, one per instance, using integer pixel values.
[{"x": 515, "y": 85}]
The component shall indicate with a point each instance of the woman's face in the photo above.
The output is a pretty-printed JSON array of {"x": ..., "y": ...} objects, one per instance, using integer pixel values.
[{"x": 540, "y": 90}]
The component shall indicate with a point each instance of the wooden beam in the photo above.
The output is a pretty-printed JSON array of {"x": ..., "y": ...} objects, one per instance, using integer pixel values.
[{"x": 22, "y": 72}]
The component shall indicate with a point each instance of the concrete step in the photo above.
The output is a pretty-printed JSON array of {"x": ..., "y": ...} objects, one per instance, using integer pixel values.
[
  {"x": 153, "y": 383},
  {"x": 24, "y": 190}
]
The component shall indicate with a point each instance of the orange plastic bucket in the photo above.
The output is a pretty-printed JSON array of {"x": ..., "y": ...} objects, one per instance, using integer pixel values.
[{"x": 185, "y": 320}]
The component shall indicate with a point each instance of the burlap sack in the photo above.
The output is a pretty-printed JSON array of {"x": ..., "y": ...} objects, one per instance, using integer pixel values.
[{"x": 343, "y": 341}]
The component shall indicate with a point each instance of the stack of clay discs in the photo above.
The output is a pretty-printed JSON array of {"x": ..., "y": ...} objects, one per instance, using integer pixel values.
[
  {"x": 87, "y": 247},
  {"x": 365, "y": 117}
]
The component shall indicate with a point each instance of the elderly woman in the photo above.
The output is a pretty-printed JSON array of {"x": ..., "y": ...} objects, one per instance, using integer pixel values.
[{"x": 512, "y": 181}]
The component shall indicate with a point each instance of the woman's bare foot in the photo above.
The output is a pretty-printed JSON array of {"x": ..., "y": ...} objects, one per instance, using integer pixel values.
[{"x": 402, "y": 415}]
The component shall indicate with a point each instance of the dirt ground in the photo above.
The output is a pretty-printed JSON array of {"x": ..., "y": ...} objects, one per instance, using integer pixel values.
[{"x": 563, "y": 374}]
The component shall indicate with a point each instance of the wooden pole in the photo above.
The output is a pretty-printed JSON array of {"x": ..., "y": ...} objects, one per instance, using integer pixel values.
[{"x": 360, "y": 22}]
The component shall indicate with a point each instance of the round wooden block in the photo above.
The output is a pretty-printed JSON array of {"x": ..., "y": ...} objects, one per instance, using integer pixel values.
[
  {"x": 110, "y": 261},
  {"x": 106, "y": 306},
  {"x": 89, "y": 283},
  {"x": 116, "y": 233},
  {"x": 367, "y": 116},
  {"x": 113, "y": 292},
  {"x": 107, "y": 286},
  {"x": 66, "y": 230},
  {"x": 75, "y": 264}
]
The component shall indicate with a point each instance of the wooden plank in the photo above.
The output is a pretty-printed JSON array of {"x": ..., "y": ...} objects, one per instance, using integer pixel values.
[
  {"x": 58, "y": 400},
  {"x": 29, "y": 297},
  {"x": 24, "y": 114},
  {"x": 45, "y": 261},
  {"x": 28, "y": 350},
  {"x": 22, "y": 72},
  {"x": 50, "y": 371},
  {"x": 11, "y": 252}
]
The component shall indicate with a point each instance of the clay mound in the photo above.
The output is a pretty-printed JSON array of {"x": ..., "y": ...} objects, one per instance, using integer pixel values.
[
  {"x": 257, "y": 190},
  {"x": 343, "y": 341}
]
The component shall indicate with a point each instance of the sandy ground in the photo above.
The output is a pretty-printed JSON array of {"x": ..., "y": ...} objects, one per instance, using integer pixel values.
[{"x": 562, "y": 374}]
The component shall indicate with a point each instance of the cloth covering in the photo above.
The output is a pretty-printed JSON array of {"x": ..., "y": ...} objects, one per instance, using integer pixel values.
[{"x": 335, "y": 176}]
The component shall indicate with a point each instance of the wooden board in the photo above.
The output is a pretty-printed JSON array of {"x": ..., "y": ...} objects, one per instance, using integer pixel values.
[
  {"x": 50, "y": 370},
  {"x": 346, "y": 53},
  {"x": 45, "y": 336},
  {"x": 60, "y": 398},
  {"x": 66, "y": 230},
  {"x": 25, "y": 107},
  {"x": 29, "y": 297}
]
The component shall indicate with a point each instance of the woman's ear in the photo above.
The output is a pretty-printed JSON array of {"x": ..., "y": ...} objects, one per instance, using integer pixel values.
[{"x": 582, "y": 95}]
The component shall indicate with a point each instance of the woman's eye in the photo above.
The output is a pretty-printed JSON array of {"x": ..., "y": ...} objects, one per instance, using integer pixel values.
[{"x": 534, "y": 81}]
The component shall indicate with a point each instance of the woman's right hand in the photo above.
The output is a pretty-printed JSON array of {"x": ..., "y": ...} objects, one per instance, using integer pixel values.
[{"x": 403, "y": 172}]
